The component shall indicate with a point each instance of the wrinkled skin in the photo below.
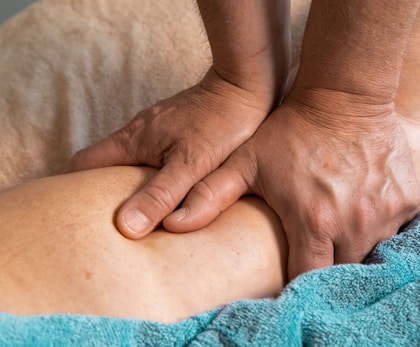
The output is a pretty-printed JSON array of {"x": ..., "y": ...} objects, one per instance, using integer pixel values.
[
  {"x": 340, "y": 182},
  {"x": 187, "y": 136},
  {"x": 336, "y": 167}
]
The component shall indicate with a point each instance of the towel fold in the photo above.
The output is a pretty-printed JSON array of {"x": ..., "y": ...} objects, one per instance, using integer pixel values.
[{"x": 372, "y": 304}]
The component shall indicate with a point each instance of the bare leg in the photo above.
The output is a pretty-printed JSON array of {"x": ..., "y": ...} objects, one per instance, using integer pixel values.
[{"x": 60, "y": 253}]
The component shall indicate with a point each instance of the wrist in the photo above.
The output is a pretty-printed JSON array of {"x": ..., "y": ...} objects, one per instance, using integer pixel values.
[
  {"x": 343, "y": 74},
  {"x": 335, "y": 109},
  {"x": 262, "y": 97},
  {"x": 250, "y": 43}
]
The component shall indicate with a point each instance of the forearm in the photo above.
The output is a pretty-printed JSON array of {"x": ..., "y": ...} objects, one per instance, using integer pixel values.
[
  {"x": 250, "y": 42},
  {"x": 356, "y": 46}
]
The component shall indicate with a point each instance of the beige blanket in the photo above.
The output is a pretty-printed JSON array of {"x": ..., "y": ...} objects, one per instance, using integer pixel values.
[{"x": 73, "y": 71}]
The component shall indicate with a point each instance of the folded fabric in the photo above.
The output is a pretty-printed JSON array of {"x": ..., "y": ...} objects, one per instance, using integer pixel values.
[{"x": 372, "y": 304}]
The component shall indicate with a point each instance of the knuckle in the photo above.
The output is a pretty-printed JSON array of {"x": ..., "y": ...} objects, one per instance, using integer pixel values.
[
  {"x": 198, "y": 159},
  {"x": 321, "y": 223},
  {"x": 204, "y": 192},
  {"x": 127, "y": 143},
  {"x": 119, "y": 139},
  {"x": 316, "y": 248},
  {"x": 134, "y": 126},
  {"x": 161, "y": 197},
  {"x": 124, "y": 136}
]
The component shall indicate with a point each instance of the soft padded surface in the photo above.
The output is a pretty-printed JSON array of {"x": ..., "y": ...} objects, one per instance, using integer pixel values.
[{"x": 73, "y": 71}]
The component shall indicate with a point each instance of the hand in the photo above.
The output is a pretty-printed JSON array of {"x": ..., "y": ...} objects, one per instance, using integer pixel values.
[
  {"x": 337, "y": 170},
  {"x": 187, "y": 136}
]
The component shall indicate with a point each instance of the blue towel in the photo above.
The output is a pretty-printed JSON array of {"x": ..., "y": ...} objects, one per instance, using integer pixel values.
[{"x": 372, "y": 304}]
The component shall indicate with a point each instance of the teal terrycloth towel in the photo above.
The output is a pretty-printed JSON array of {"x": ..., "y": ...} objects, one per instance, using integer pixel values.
[{"x": 371, "y": 304}]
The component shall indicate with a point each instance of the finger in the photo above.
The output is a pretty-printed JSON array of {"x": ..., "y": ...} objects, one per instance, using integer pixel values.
[
  {"x": 356, "y": 249},
  {"x": 160, "y": 196},
  {"x": 208, "y": 199},
  {"x": 353, "y": 252},
  {"x": 307, "y": 255},
  {"x": 111, "y": 151},
  {"x": 354, "y": 246}
]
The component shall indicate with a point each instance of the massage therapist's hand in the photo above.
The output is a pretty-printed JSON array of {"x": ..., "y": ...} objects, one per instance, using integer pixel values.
[
  {"x": 192, "y": 133},
  {"x": 340, "y": 183},
  {"x": 187, "y": 136},
  {"x": 333, "y": 161}
]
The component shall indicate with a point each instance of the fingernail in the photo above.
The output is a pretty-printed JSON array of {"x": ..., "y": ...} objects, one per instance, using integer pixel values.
[
  {"x": 180, "y": 214},
  {"x": 135, "y": 221}
]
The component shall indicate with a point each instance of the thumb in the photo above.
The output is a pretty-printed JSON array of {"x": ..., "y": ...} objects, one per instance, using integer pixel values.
[
  {"x": 139, "y": 215},
  {"x": 111, "y": 151},
  {"x": 309, "y": 254},
  {"x": 208, "y": 199}
]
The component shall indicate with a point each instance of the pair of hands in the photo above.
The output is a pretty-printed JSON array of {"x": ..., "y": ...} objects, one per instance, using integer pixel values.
[{"x": 336, "y": 170}]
